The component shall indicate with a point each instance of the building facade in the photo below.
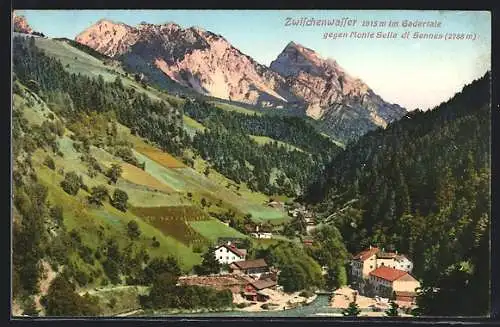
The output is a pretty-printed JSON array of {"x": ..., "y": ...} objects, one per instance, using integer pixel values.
[
  {"x": 254, "y": 268},
  {"x": 387, "y": 281},
  {"x": 228, "y": 253},
  {"x": 372, "y": 258},
  {"x": 364, "y": 262}
]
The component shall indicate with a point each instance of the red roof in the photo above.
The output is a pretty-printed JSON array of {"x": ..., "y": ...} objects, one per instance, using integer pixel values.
[
  {"x": 387, "y": 273},
  {"x": 403, "y": 293},
  {"x": 365, "y": 254},
  {"x": 257, "y": 263},
  {"x": 235, "y": 250}
]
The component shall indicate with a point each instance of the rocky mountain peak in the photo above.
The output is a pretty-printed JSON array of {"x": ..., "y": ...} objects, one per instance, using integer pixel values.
[
  {"x": 21, "y": 24},
  {"x": 206, "y": 62}
]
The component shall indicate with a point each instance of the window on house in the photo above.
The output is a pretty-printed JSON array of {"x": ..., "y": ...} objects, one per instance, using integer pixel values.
[
  {"x": 382, "y": 264},
  {"x": 408, "y": 266},
  {"x": 371, "y": 267},
  {"x": 220, "y": 257}
]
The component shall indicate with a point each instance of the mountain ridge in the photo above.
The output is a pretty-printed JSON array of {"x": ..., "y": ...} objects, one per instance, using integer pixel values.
[{"x": 298, "y": 79}]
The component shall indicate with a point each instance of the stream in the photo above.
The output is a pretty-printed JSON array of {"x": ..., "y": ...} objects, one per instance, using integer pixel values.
[{"x": 318, "y": 307}]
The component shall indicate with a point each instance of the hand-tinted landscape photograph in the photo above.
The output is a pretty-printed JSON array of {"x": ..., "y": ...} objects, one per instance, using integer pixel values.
[{"x": 232, "y": 163}]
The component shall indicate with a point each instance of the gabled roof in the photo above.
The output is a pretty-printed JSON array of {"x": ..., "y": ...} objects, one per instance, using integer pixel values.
[
  {"x": 403, "y": 293},
  {"x": 263, "y": 283},
  {"x": 389, "y": 274},
  {"x": 386, "y": 255},
  {"x": 239, "y": 252},
  {"x": 257, "y": 263},
  {"x": 365, "y": 254}
]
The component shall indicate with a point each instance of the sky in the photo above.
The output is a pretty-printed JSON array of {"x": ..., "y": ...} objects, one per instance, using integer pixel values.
[{"x": 414, "y": 73}]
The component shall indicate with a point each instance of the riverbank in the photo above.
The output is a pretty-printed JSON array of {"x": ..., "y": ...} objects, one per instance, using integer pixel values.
[
  {"x": 291, "y": 302},
  {"x": 278, "y": 301}
]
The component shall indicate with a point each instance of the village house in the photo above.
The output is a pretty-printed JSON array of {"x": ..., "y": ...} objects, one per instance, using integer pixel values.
[
  {"x": 310, "y": 226},
  {"x": 404, "y": 298},
  {"x": 254, "y": 268},
  {"x": 372, "y": 258},
  {"x": 364, "y": 262},
  {"x": 390, "y": 282},
  {"x": 228, "y": 253},
  {"x": 394, "y": 260},
  {"x": 255, "y": 290},
  {"x": 275, "y": 204},
  {"x": 262, "y": 235},
  {"x": 308, "y": 242}
]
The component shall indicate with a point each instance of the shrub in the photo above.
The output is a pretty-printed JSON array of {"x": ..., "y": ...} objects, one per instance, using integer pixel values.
[
  {"x": 71, "y": 183},
  {"x": 49, "y": 162},
  {"x": 114, "y": 172},
  {"x": 56, "y": 213},
  {"x": 119, "y": 200},
  {"x": 97, "y": 195},
  {"x": 133, "y": 229}
]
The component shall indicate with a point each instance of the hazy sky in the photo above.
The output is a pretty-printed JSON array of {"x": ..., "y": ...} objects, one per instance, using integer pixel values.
[{"x": 413, "y": 73}]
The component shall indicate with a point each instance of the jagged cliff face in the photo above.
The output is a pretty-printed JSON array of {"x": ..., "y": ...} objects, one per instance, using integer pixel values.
[
  {"x": 210, "y": 65},
  {"x": 21, "y": 24},
  {"x": 346, "y": 104},
  {"x": 192, "y": 57}
]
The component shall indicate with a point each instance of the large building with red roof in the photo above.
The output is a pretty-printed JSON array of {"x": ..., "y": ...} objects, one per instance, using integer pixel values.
[
  {"x": 388, "y": 281},
  {"x": 372, "y": 258}
]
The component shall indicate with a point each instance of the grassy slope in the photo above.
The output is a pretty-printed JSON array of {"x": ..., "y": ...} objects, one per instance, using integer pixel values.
[
  {"x": 231, "y": 107},
  {"x": 265, "y": 140},
  {"x": 78, "y": 215},
  {"x": 181, "y": 180}
]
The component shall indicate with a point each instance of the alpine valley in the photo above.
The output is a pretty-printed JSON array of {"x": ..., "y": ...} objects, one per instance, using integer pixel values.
[
  {"x": 299, "y": 80},
  {"x": 158, "y": 170}
]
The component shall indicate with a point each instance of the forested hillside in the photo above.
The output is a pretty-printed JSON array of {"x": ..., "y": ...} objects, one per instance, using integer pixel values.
[
  {"x": 422, "y": 187},
  {"x": 155, "y": 120},
  {"x": 271, "y": 168}
]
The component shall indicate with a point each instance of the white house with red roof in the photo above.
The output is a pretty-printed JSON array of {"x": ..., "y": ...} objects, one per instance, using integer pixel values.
[{"x": 229, "y": 253}]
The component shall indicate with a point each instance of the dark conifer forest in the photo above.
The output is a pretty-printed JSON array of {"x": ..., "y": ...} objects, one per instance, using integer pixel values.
[{"x": 422, "y": 186}]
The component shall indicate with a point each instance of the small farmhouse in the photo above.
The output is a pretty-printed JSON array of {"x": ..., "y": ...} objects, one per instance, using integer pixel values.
[
  {"x": 255, "y": 290},
  {"x": 405, "y": 297},
  {"x": 228, "y": 253},
  {"x": 262, "y": 235},
  {"x": 254, "y": 268}
]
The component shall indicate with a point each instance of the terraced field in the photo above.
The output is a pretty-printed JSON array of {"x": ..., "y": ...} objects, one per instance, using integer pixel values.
[
  {"x": 188, "y": 180},
  {"x": 140, "y": 177},
  {"x": 163, "y": 158},
  {"x": 213, "y": 229},
  {"x": 175, "y": 222},
  {"x": 110, "y": 221}
]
